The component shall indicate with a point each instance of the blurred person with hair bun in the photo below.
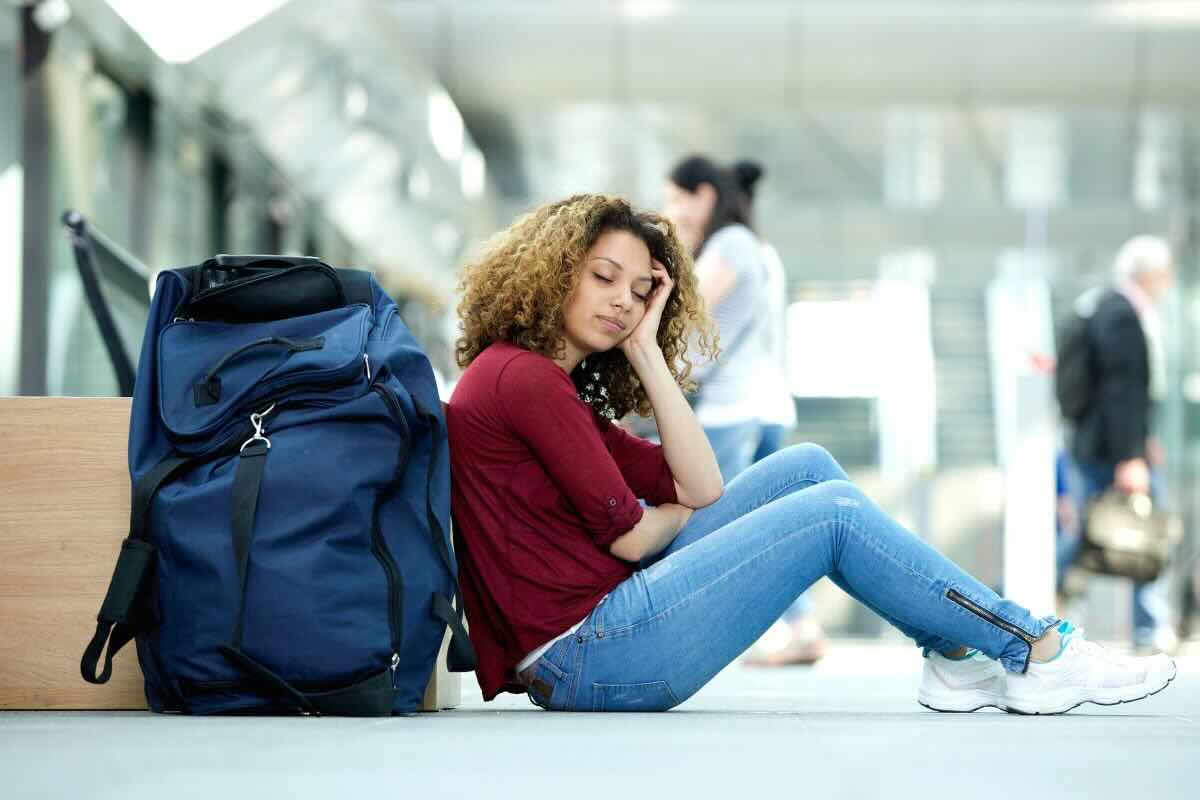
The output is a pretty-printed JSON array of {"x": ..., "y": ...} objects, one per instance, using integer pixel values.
[{"x": 713, "y": 221}]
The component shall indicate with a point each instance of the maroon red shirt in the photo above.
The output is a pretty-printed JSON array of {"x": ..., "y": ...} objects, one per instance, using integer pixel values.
[{"x": 541, "y": 487}]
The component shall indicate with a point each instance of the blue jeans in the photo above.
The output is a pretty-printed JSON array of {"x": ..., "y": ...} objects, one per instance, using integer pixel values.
[
  {"x": 1149, "y": 604},
  {"x": 770, "y": 441},
  {"x": 788, "y": 520}
]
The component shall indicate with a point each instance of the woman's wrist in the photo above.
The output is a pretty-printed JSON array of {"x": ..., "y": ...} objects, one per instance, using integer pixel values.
[{"x": 641, "y": 354}]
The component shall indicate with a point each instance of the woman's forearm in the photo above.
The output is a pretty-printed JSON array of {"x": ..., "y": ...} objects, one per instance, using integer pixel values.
[
  {"x": 685, "y": 446},
  {"x": 657, "y": 529}
]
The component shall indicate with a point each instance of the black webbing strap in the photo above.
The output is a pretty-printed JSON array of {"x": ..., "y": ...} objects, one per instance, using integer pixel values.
[
  {"x": 124, "y": 612},
  {"x": 460, "y": 656},
  {"x": 246, "y": 483},
  {"x": 265, "y": 675},
  {"x": 370, "y": 697},
  {"x": 356, "y": 283}
]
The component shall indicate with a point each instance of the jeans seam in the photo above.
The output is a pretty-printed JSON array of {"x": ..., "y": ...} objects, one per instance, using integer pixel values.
[
  {"x": 570, "y": 701},
  {"x": 608, "y": 634},
  {"x": 799, "y": 477}
]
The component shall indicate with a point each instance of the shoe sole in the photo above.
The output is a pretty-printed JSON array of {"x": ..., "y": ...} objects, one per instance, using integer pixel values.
[
  {"x": 1076, "y": 703},
  {"x": 962, "y": 703}
]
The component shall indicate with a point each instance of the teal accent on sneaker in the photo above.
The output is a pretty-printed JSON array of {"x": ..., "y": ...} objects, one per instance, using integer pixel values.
[{"x": 1065, "y": 629}]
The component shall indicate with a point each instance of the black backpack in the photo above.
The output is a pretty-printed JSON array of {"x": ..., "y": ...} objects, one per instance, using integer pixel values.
[{"x": 1074, "y": 370}]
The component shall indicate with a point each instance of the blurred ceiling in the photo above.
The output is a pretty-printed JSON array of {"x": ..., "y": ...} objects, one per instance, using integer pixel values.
[
  {"x": 884, "y": 125},
  {"x": 846, "y": 102},
  {"x": 497, "y": 55}
]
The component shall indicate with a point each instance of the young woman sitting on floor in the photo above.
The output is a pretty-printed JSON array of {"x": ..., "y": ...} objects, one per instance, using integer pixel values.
[{"x": 588, "y": 600}]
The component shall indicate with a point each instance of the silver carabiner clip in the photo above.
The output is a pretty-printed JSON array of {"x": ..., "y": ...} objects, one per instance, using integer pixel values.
[{"x": 257, "y": 421}]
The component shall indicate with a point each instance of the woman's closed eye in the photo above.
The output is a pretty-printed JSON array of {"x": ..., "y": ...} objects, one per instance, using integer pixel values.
[{"x": 640, "y": 297}]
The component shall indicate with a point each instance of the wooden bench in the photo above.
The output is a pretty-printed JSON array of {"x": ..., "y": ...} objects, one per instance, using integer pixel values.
[{"x": 64, "y": 510}]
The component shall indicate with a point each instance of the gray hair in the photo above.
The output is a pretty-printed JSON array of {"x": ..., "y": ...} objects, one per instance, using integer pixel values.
[{"x": 1141, "y": 254}]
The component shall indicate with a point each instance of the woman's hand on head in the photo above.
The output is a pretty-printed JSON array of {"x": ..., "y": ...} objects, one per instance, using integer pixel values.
[{"x": 645, "y": 334}]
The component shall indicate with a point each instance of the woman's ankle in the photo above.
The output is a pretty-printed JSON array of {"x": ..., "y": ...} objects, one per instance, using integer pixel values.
[{"x": 1050, "y": 645}]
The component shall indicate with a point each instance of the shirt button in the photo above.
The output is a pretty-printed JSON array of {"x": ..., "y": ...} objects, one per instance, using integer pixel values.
[{"x": 612, "y": 502}]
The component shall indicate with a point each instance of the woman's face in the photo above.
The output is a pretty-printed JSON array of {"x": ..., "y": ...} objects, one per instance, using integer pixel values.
[
  {"x": 689, "y": 211},
  {"x": 610, "y": 299}
]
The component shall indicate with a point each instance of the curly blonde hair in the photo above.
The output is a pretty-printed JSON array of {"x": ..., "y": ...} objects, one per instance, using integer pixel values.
[{"x": 517, "y": 288}]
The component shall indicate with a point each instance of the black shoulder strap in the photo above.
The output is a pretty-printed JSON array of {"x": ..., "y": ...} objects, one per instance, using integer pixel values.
[
  {"x": 247, "y": 481},
  {"x": 356, "y": 283},
  {"x": 460, "y": 657},
  {"x": 124, "y": 612}
]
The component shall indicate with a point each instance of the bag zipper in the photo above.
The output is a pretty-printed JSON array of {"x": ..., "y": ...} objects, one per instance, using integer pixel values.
[
  {"x": 378, "y": 543},
  {"x": 389, "y": 315},
  {"x": 988, "y": 616}
]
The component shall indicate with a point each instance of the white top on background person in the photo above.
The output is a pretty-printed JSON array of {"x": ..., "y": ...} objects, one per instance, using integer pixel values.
[
  {"x": 777, "y": 407},
  {"x": 729, "y": 389}
]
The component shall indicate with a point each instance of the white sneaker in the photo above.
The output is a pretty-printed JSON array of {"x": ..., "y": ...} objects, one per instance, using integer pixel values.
[
  {"x": 966, "y": 684},
  {"x": 1085, "y": 672}
]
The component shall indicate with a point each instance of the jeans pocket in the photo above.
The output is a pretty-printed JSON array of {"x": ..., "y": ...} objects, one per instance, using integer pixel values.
[
  {"x": 652, "y": 696},
  {"x": 549, "y": 686}
]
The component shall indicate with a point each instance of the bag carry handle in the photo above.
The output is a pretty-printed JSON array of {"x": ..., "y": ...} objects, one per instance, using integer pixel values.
[
  {"x": 262, "y": 260},
  {"x": 265, "y": 288},
  {"x": 208, "y": 390},
  {"x": 259, "y": 261}
]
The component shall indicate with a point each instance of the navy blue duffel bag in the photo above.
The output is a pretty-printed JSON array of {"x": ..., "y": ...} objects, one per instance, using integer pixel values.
[{"x": 288, "y": 543}]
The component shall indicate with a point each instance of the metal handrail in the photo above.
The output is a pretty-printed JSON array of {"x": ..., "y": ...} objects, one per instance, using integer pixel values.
[{"x": 131, "y": 276}]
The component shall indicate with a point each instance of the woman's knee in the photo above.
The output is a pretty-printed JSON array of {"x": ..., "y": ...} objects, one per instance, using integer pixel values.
[
  {"x": 836, "y": 497},
  {"x": 814, "y": 462}
]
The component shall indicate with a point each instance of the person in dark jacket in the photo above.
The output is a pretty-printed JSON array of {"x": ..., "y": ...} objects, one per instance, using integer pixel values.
[{"x": 1112, "y": 444}]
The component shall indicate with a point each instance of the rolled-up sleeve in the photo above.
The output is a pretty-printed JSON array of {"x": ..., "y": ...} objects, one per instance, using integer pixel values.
[
  {"x": 642, "y": 464},
  {"x": 541, "y": 405}
]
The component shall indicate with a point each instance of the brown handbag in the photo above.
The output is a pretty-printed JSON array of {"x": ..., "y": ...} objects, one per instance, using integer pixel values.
[{"x": 1126, "y": 536}]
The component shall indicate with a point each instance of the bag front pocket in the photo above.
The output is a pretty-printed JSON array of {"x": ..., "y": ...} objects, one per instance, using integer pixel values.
[{"x": 208, "y": 371}]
